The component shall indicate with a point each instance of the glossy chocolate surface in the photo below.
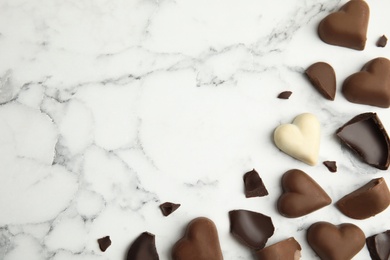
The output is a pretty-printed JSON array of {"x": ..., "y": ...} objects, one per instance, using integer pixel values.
[
  {"x": 288, "y": 249},
  {"x": 379, "y": 246}
]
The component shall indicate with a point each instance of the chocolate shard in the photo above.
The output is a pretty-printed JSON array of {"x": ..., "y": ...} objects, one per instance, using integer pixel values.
[
  {"x": 168, "y": 208},
  {"x": 288, "y": 249},
  {"x": 254, "y": 186},
  {"x": 367, "y": 201},
  {"x": 104, "y": 243},
  {"x": 382, "y": 41},
  {"x": 251, "y": 228},
  {"x": 331, "y": 165},
  {"x": 379, "y": 246},
  {"x": 323, "y": 78},
  {"x": 143, "y": 248},
  {"x": 365, "y": 135},
  {"x": 285, "y": 95}
]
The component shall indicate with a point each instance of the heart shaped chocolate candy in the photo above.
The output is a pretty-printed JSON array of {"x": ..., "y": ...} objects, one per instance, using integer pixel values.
[
  {"x": 332, "y": 242},
  {"x": 370, "y": 86},
  {"x": 200, "y": 242},
  {"x": 301, "y": 139},
  {"x": 347, "y": 27},
  {"x": 301, "y": 195}
]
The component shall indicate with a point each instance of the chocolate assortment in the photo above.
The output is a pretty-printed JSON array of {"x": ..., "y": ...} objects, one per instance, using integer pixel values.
[
  {"x": 143, "y": 248},
  {"x": 379, "y": 246},
  {"x": 323, "y": 78},
  {"x": 254, "y": 186},
  {"x": 288, "y": 249}
]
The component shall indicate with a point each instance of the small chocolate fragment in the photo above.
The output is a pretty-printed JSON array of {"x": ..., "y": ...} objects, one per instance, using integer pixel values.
[
  {"x": 323, "y": 78},
  {"x": 200, "y": 242},
  {"x": 104, "y": 243},
  {"x": 168, "y": 208},
  {"x": 379, "y": 246},
  {"x": 254, "y": 186},
  {"x": 365, "y": 135},
  {"x": 285, "y": 95},
  {"x": 251, "y": 228},
  {"x": 143, "y": 248},
  {"x": 367, "y": 201},
  {"x": 331, "y": 165},
  {"x": 332, "y": 242},
  {"x": 382, "y": 41},
  {"x": 288, "y": 249},
  {"x": 347, "y": 27}
]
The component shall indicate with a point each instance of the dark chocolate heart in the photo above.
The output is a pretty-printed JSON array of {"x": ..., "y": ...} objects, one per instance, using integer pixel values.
[
  {"x": 370, "y": 86},
  {"x": 347, "y": 27},
  {"x": 301, "y": 195}
]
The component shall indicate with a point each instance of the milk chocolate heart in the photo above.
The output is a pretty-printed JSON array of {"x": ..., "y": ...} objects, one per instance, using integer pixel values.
[
  {"x": 347, "y": 27},
  {"x": 200, "y": 242},
  {"x": 332, "y": 242},
  {"x": 301, "y": 195},
  {"x": 301, "y": 139},
  {"x": 370, "y": 86}
]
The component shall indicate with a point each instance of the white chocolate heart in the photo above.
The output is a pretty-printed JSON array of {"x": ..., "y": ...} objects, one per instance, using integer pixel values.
[{"x": 301, "y": 139}]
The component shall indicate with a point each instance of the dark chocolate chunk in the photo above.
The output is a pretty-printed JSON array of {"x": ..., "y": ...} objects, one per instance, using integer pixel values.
[
  {"x": 168, "y": 208},
  {"x": 331, "y": 165},
  {"x": 367, "y": 201},
  {"x": 301, "y": 195},
  {"x": 323, "y": 78},
  {"x": 347, "y": 27},
  {"x": 332, "y": 242},
  {"x": 382, "y": 41},
  {"x": 288, "y": 249},
  {"x": 254, "y": 186},
  {"x": 367, "y": 137},
  {"x": 143, "y": 248},
  {"x": 285, "y": 95},
  {"x": 200, "y": 242},
  {"x": 104, "y": 243},
  {"x": 379, "y": 246},
  {"x": 251, "y": 228}
]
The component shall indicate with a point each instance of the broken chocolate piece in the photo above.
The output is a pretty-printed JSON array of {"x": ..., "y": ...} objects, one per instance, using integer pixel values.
[
  {"x": 367, "y": 201},
  {"x": 331, "y": 165},
  {"x": 168, "y": 208},
  {"x": 301, "y": 195},
  {"x": 347, "y": 27},
  {"x": 379, "y": 246},
  {"x": 254, "y": 186},
  {"x": 382, "y": 41},
  {"x": 143, "y": 248},
  {"x": 104, "y": 243},
  {"x": 288, "y": 249},
  {"x": 200, "y": 242},
  {"x": 323, "y": 78},
  {"x": 285, "y": 95},
  {"x": 251, "y": 228},
  {"x": 366, "y": 136}
]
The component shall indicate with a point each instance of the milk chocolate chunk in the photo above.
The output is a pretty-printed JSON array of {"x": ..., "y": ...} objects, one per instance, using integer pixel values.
[
  {"x": 347, "y": 27},
  {"x": 104, "y": 243},
  {"x": 330, "y": 242},
  {"x": 288, "y": 249},
  {"x": 254, "y": 186},
  {"x": 379, "y": 246},
  {"x": 285, "y": 95},
  {"x": 143, "y": 248},
  {"x": 168, "y": 208},
  {"x": 331, "y": 165},
  {"x": 365, "y": 135},
  {"x": 200, "y": 242},
  {"x": 301, "y": 195},
  {"x": 251, "y": 228},
  {"x": 323, "y": 78},
  {"x": 370, "y": 86},
  {"x": 367, "y": 201},
  {"x": 382, "y": 41}
]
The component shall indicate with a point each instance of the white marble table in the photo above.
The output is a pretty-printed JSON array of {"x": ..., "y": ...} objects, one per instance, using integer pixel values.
[{"x": 110, "y": 108}]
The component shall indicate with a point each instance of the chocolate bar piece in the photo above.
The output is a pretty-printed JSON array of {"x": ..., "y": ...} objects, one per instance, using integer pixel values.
[
  {"x": 143, "y": 248},
  {"x": 379, "y": 246},
  {"x": 104, "y": 243},
  {"x": 323, "y": 78},
  {"x": 254, "y": 186},
  {"x": 168, "y": 208}
]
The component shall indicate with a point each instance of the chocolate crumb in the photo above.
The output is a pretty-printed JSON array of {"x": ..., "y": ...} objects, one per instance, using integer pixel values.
[
  {"x": 331, "y": 165},
  {"x": 285, "y": 95},
  {"x": 382, "y": 41},
  {"x": 254, "y": 186},
  {"x": 104, "y": 243},
  {"x": 168, "y": 208}
]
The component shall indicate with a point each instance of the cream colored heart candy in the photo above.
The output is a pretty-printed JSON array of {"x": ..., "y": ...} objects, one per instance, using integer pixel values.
[{"x": 301, "y": 139}]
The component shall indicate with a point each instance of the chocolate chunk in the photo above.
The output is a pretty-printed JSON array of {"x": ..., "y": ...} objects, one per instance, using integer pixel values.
[
  {"x": 323, "y": 78},
  {"x": 331, "y": 165},
  {"x": 301, "y": 195},
  {"x": 104, "y": 243},
  {"x": 370, "y": 86},
  {"x": 379, "y": 246},
  {"x": 382, "y": 41},
  {"x": 143, "y": 248},
  {"x": 367, "y": 137},
  {"x": 251, "y": 228},
  {"x": 332, "y": 242},
  {"x": 367, "y": 201},
  {"x": 254, "y": 186},
  {"x": 200, "y": 242},
  {"x": 288, "y": 249},
  {"x": 285, "y": 95},
  {"x": 347, "y": 27},
  {"x": 168, "y": 208}
]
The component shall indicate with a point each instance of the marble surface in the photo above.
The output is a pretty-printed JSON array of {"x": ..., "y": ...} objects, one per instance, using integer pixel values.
[{"x": 110, "y": 108}]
